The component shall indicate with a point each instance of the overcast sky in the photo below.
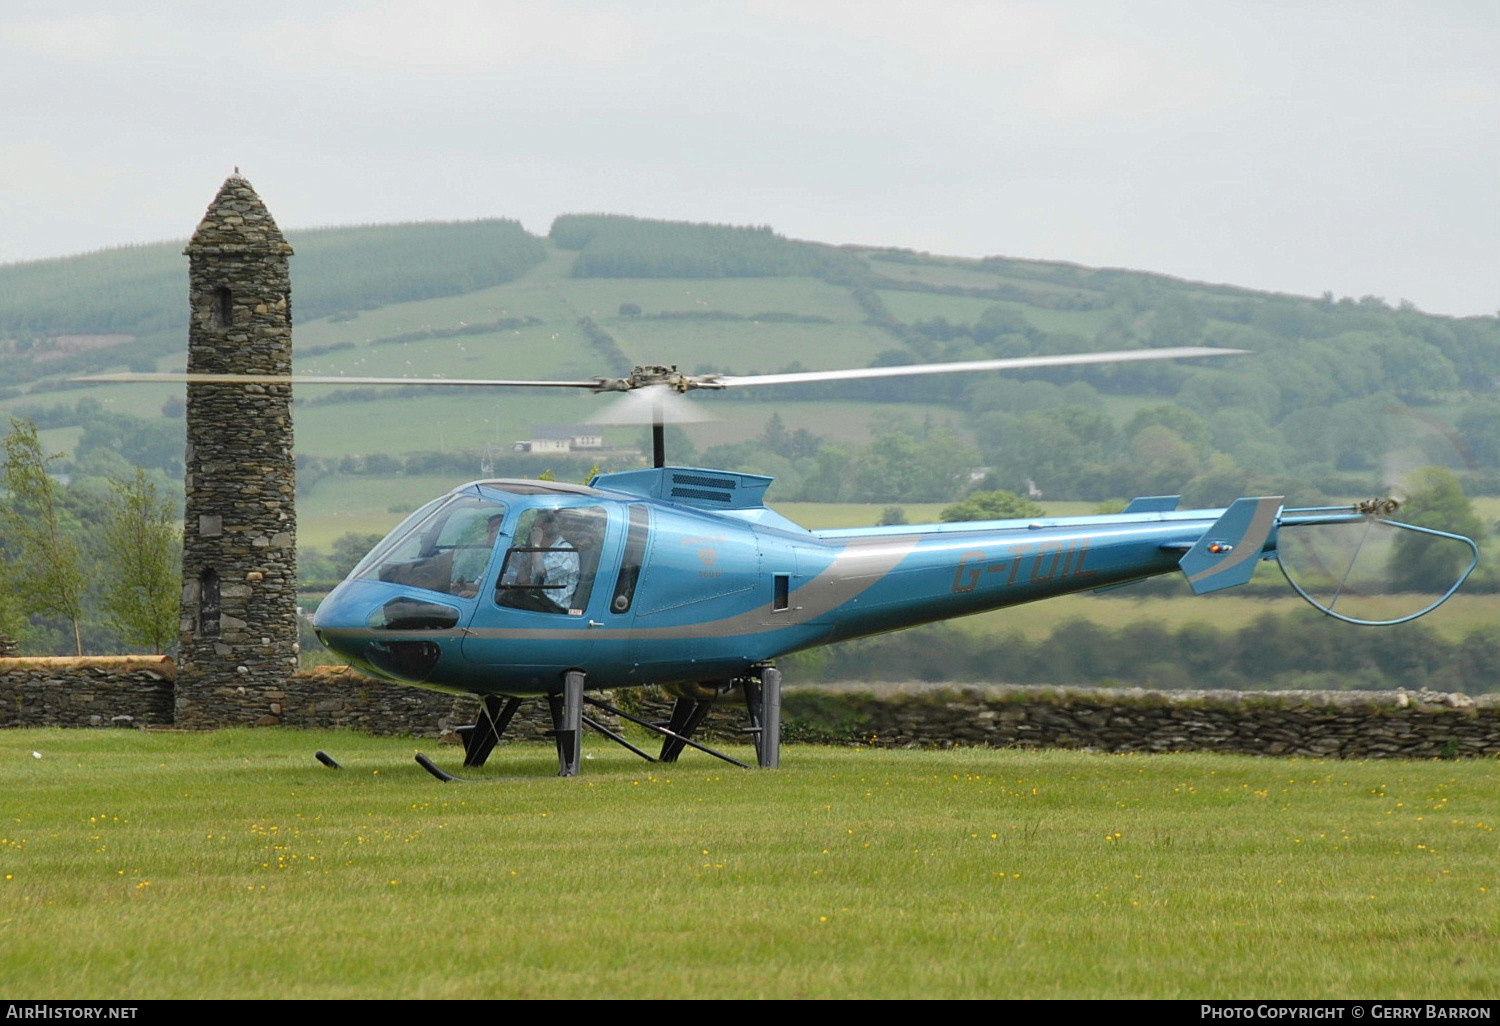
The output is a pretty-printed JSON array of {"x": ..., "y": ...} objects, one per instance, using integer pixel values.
[{"x": 1350, "y": 146}]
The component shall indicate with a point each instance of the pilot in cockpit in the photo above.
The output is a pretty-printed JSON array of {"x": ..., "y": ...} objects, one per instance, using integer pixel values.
[
  {"x": 469, "y": 567},
  {"x": 543, "y": 575}
]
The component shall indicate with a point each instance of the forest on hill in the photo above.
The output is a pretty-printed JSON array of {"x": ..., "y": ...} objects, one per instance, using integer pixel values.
[{"x": 1339, "y": 397}]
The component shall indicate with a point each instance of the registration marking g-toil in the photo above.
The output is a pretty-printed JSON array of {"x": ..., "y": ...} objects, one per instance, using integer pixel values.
[{"x": 1042, "y": 560}]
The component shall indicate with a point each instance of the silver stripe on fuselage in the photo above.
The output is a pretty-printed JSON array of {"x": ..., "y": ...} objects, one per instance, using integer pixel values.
[{"x": 870, "y": 559}]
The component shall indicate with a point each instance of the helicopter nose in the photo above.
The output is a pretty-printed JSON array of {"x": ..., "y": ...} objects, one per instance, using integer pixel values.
[
  {"x": 408, "y": 660},
  {"x": 381, "y": 630}
]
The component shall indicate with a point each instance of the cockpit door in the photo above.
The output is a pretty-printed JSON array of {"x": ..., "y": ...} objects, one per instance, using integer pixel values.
[{"x": 550, "y": 600}]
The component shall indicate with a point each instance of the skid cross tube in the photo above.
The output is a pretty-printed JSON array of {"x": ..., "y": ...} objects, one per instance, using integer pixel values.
[
  {"x": 664, "y": 732},
  {"x": 589, "y": 721}
]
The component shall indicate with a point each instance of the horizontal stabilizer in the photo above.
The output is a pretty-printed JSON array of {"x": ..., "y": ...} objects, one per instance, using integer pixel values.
[
  {"x": 1227, "y": 553},
  {"x": 1152, "y": 504}
]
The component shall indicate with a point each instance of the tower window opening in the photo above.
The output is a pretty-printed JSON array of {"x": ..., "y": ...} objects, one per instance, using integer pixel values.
[
  {"x": 223, "y": 308},
  {"x": 208, "y": 604}
]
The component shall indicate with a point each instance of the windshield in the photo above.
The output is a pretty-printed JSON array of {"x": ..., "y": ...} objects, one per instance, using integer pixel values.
[{"x": 444, "y": 547}]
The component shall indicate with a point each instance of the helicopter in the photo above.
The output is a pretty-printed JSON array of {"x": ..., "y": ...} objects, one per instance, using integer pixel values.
[{"x": 510, "y": 589}]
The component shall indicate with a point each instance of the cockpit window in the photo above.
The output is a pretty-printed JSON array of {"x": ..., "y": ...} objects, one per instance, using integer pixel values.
[
  {"x": 446, "y": 548},
  {"x": 551, "y": 567},
  {"x": 630, "y": 565},
  {"x": 401, "y": 530}
]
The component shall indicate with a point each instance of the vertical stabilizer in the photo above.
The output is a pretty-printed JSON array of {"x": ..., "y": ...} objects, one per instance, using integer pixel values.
[{"x": 1227, "y": 553}]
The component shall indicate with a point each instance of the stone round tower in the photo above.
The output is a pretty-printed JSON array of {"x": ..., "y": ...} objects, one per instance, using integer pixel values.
[{"x": 239, "y": 550}]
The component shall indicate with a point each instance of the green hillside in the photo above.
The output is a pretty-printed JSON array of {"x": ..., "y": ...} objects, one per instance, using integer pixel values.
[{"x": 1340, "y": 397}]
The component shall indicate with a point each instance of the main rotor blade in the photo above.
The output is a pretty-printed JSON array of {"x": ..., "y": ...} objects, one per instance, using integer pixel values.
[
  {"x": 1011, "y": 363},
  {"x": 651, "y": 378},
  {"x": 298, "y": 379}
]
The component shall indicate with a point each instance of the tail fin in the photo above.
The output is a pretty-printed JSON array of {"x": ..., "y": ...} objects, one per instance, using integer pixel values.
[{"x": 1227, "y": 553}]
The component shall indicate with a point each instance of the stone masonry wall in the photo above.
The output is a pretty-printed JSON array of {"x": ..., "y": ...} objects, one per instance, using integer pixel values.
[
  {"x": 137, "y": 692},
  {"x": 87, "y": 692},
  {"x": 1335, "y": 724}
]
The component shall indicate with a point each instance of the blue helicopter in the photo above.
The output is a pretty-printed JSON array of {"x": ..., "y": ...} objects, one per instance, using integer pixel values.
[{"x": 682, "y": 577}]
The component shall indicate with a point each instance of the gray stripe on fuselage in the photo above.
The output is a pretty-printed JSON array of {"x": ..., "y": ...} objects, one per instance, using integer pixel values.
[{"x": 867, "y": 558}]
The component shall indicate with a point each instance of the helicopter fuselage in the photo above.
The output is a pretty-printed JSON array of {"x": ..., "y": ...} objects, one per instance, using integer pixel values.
[{"x": 676, "y": 575}]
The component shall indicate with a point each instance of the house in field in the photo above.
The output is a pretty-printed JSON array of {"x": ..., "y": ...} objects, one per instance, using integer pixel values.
[{"x": 562, "y": 438}]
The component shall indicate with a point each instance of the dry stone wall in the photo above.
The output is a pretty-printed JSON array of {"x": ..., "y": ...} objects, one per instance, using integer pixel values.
[
  {"x": 138, "y": 692},
  {"x": 1416, "y": 724},
  {"x": 87, "y": 692}
]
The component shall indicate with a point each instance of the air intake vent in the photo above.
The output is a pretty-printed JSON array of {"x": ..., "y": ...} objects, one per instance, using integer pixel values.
[
  {"x": 706, "y": 489},
  {"x": 724, "y": 498},
  {"x": 714, "y": 489},
  {"x": 704, "y": 481}
]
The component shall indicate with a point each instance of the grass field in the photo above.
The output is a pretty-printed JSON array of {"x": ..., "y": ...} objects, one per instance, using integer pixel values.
[
  {"x": 601, "y": 298},
  {"x": 167, "y": 865},
  {"x": 456, "y": 420},
  {"x": 748, "y": 347}
]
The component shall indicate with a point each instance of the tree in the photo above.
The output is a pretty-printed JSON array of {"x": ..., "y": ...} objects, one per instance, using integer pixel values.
[
  {"x": 1416, "y": 370},
  {"x": 774, "y": 437},
  {"x": 1186, "y": 424},
  {"x": 1161, "y": 462},
  {"x": 349, "y": 549},
  {"x": 12, "y": 617},
  {"x": 999, "y": 505},
  {"x": 1061, "y": 450},
  {"x": 1178, "y": 322},
  {"x": 1422, "y": 562},
  {"x": 142, "y": 559},
  {"x": 1480, "y": 427},
  {"x": 46, "y": 565},
  {"x": 1220, "y": 483},
  {"x": 912, "y": 465},
  {"x": 1006, "y": 329}
]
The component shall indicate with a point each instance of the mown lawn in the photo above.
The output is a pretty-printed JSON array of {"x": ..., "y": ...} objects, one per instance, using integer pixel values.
[{"x": 230, "y": 864}]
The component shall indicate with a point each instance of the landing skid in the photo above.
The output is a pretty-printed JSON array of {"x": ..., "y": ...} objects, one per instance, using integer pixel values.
[
  {"x": 452, "y": 778},
  {"x": 762, "y": 706},
  {"x": 446, "y": 777}
]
